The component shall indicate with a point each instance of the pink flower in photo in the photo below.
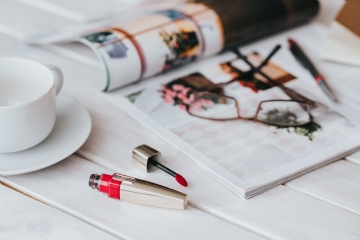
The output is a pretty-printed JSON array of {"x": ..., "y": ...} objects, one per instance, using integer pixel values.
[
  {"x": 186, "y": 90},
  {"x": 182, "y": 96},
  {"x": 168, "y": 99},
  {"x": 170, "y": 93},
  {"x": 186, "y": 101},
  {"x": 182, "y": 107},
  {"x": 178, "y": 87}
]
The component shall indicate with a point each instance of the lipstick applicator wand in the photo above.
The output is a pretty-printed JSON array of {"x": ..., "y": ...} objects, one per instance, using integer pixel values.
[
  {"x": 180, "y": 179},
  {"x": 148, "y": 159}
]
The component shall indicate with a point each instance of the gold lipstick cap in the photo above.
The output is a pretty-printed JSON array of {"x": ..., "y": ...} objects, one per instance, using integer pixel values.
[
  {"x": 141, "y": 156},
  {"x": 147, "y": 193}
]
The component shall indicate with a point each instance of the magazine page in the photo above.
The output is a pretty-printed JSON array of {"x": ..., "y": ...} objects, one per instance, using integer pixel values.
[{"x": 229, "y": 131}]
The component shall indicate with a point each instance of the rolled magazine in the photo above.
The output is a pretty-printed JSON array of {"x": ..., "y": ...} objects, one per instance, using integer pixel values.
[{"x": 158, "y": 41}]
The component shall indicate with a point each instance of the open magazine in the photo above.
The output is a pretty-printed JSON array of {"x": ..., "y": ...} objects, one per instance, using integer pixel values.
[{"x": 246, "y": 156}]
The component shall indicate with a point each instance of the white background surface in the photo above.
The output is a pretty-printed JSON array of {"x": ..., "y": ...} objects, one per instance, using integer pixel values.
[{"x": 323, "y": 204}]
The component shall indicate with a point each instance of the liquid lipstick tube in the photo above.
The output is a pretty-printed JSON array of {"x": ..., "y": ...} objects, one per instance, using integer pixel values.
[{"x": 138, "y": 191}]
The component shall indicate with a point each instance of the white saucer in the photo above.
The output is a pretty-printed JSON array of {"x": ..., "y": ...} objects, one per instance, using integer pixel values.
[{"x": 72, "y": 128}]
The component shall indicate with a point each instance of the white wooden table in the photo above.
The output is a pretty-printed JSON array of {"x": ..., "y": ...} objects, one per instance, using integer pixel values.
[{"x": 56, "y": 203}]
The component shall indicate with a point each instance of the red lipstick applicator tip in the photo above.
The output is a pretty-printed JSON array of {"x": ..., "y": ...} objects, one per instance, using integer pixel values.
[{"x": 181, "y": 180}]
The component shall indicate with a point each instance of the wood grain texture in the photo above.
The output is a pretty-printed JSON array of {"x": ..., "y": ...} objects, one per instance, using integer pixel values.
[
  {"x": 24, "y": 218},
  {"x": 65, "y": 187},
  {"x": 337, "y": 183}
]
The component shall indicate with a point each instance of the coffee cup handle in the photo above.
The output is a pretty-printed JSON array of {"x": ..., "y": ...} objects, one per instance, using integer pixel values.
[{"x": 59, "y": 77}]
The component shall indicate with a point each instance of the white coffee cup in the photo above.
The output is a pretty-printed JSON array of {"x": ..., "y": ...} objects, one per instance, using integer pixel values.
[{"x": 27, "y": 103}]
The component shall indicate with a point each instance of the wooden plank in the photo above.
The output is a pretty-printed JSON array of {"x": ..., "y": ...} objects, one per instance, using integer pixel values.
[
  {"x": 337, "y": 184},
  {"x": 282, "y": 213},
  {"x": 25, "y": 218},
  {"x": 64, "y": 186}
]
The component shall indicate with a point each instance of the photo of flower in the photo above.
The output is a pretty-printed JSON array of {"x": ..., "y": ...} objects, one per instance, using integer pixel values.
[{"x": 180, "y": 92}]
